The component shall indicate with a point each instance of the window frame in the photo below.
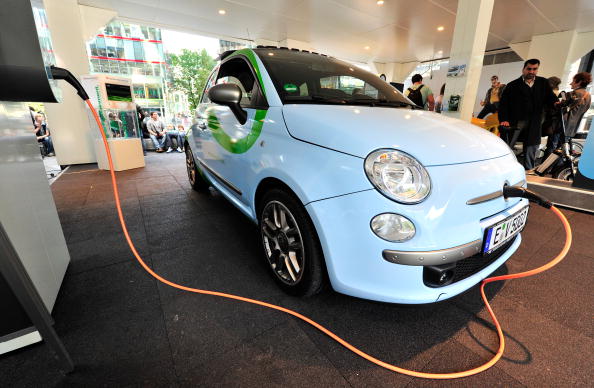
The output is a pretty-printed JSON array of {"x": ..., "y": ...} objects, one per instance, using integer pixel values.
[{"x": 259, "y": 100}]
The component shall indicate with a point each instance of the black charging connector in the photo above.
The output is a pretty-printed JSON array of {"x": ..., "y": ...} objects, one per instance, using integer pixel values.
[
  {"x": 60, "y": 73},
  {"x": 520, "y": 192}
]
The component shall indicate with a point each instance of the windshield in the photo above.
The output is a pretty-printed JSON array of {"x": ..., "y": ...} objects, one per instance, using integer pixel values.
[{"x": 305, "y": 78}]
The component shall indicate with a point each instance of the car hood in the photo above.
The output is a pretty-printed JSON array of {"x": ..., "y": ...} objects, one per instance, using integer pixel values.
[{"x": 431, "y": 138}]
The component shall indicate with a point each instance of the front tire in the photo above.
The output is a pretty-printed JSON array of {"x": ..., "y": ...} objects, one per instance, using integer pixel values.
[
  {"x": 197, "y": 181},
  {"x": 291, "y": 245}
]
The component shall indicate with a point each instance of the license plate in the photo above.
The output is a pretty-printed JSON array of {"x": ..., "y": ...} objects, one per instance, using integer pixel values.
[{"x": 505, "y": 230}]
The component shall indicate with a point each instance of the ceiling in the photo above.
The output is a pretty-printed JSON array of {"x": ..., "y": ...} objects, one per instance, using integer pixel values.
[{"x": 398, "y": 31}]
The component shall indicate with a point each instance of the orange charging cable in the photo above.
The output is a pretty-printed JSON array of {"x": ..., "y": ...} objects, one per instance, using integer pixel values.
[{"x": 347, "y": 345}]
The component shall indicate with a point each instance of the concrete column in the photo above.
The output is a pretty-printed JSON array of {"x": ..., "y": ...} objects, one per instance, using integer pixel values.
[
  {"x": 473, "y": 19},
  {"x": 553, "y": 52},
  {"x": 395, "y": 72},
  {"x": 94, "y": 19},
  {"x": 68, "y": 120}
]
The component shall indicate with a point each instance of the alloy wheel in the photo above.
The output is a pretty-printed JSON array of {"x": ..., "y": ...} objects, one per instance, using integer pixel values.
[
  {"x": 283, "y": 244},
  {"x": 190, "y": 166}
]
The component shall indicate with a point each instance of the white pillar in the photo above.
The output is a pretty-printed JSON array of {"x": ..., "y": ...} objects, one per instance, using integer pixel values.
[
  {"x": 553, "y": 51},
  {"x": 473, "y": 19},
  {"x": 68, "y": 120},
  {"x": 402, "y": 71},
  {"x": 94, "y": 19}
]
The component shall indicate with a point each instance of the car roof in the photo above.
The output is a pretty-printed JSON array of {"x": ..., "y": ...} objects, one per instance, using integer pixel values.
[{"x": 225, "y": 54}]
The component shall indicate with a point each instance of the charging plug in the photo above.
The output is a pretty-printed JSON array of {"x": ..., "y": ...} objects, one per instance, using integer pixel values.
[
  {"x": 60, "y": 73},
  {"x": 520, "y": 192}
]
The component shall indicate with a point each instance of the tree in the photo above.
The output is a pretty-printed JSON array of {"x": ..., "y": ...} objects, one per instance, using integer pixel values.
[{"x": 190, "y": 72}]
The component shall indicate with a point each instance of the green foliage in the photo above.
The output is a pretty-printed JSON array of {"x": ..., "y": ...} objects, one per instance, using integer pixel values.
[{"x": 190, "y": 72}]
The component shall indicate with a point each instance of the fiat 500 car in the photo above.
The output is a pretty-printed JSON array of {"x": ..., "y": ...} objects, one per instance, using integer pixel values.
[{"x": 349, "y": 183}]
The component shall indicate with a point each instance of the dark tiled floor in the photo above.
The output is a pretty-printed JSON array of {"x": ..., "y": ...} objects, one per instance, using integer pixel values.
[{"x": 123, "y": 328}]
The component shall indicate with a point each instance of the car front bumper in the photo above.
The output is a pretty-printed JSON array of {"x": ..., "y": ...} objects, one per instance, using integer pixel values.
[{"x": 359, "y": 263}]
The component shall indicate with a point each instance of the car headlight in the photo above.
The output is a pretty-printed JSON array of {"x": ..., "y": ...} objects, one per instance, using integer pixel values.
[
  {"x": 398, "y": 176},
  {"x": 393, "y": 227}
]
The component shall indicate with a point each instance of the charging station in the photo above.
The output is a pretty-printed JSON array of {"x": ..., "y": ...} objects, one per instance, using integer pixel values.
[
  {"x": 113, "y": 99},
  {"x": 33, "y": 251}
]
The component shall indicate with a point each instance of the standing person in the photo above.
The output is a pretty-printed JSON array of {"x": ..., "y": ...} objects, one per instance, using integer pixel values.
[
  {"x": 439, "y": 100},
  {"x": 420, "y": 93},
  {"x": 156, "y": 130},
  {"x": 43, "y": 135},
  {"x": 491, "y": 102},
  {"x": 551, "y": 127},
  {"x": 521, "y": 107}
]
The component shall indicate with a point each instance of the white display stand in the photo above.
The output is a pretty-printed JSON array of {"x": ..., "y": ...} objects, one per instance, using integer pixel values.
[{"x": 126, "y": 153}]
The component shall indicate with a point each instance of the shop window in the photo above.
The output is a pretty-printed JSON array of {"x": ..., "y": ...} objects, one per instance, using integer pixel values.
[
  {"x": 93, "y": 49},
  {"x": 155, "y": 92},
  {"x": 138, "y": 50},
  {"x": 100, "y": 43},
  {"x": 139, "y": 91}
]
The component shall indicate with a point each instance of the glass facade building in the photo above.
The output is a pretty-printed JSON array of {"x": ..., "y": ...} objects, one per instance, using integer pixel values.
[{"x": 135, "y": 52}]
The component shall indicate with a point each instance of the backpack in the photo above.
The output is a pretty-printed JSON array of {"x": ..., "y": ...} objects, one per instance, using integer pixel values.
[{"x": 416, "y": 96}]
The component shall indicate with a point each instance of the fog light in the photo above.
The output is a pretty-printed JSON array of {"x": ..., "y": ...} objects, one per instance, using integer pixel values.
[{"x": 393, "y": 227}]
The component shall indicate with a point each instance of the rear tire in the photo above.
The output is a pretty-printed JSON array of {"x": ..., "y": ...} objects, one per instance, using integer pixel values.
[
  {"x": 291, "y": 245},
  {"x": 197, "y": 180}
]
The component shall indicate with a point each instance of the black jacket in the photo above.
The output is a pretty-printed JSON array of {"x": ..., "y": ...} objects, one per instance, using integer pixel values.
[{"x": 522, "y": 102}]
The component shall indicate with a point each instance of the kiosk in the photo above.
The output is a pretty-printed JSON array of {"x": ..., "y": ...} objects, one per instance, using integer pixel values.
[{"x": 113, "y": 99}]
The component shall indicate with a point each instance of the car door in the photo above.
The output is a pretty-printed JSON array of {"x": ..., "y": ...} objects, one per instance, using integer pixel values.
[{"x": 227, "y": 144}]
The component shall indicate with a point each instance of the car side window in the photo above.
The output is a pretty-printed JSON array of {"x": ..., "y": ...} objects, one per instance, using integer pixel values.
[
  {"x": 209, "y": 83},
  {"x": 238, "y": 72}
]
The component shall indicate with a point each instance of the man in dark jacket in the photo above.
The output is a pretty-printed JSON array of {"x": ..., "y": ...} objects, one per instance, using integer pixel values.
[{"x": 522, "y": 107}]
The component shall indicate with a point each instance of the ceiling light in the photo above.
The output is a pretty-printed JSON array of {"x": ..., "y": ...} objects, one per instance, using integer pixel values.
[
  {"x": 366, "y": 47},
  {"x": 439, "y": 52},
  {"x": 380, "y": 2},
  {"x": 222, "y": 12},
  {"x": 440, "y": 28}
]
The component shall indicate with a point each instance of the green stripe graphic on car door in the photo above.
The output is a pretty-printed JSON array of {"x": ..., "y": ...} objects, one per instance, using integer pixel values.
[{"x": 236, "y": 145}]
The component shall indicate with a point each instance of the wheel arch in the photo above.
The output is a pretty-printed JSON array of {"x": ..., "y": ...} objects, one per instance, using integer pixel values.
[{"x": 268, "y": 184}]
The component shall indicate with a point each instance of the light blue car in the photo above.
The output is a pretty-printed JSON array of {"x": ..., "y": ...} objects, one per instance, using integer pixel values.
[{"x": 349, "y": 182}]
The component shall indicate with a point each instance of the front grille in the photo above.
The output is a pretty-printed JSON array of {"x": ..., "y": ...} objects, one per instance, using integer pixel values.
[{"x": 471, "y": 265}]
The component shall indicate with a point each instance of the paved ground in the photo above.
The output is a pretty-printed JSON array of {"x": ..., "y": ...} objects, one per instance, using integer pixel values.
[{"x": 122, "y": 328}]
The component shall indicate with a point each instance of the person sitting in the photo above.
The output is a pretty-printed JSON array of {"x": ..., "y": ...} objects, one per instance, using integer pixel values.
[
  {"x": 491, "y": 102},
  {"x": 43, "y": 135},
  {"x": 172, "y": 133},
  {"x": 156, "y": 130}
]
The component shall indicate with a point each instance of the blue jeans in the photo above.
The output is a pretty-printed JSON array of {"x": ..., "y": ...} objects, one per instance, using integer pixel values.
[
  {"x": 175, "y": 135},
  {"x": 158, "y": 142},
  {"x": 47, "y": 145}
]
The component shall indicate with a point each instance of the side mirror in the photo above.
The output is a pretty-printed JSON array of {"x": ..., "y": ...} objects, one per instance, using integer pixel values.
[{"x": 228, "y": 95}]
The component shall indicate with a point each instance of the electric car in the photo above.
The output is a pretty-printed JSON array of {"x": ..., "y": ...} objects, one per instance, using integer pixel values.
[{"x": 351, "y": 184}]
